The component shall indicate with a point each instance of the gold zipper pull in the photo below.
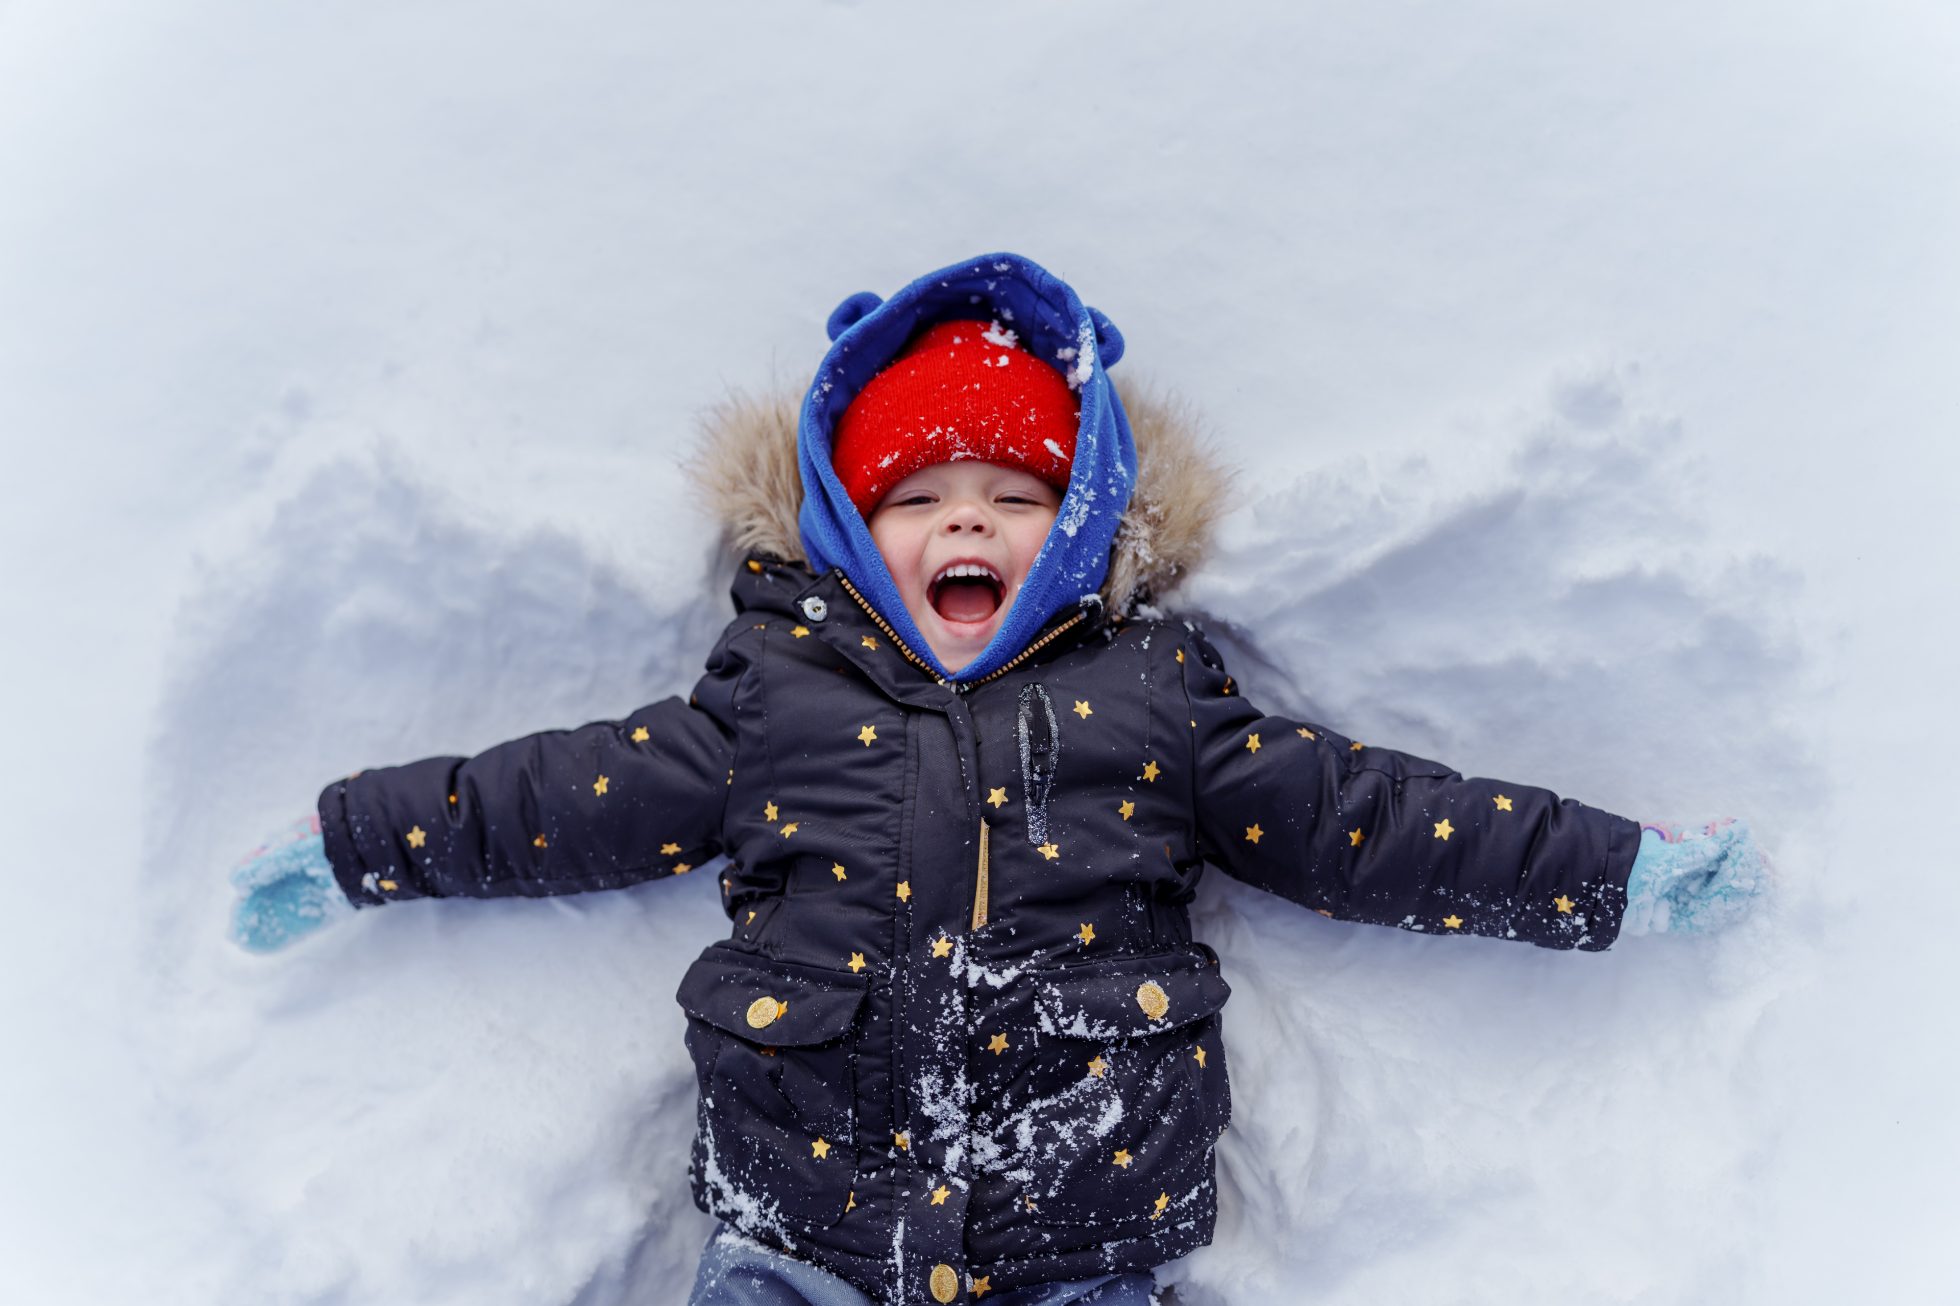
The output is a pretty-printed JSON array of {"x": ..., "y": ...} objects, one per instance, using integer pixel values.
[{"x": 980, "y": 881}]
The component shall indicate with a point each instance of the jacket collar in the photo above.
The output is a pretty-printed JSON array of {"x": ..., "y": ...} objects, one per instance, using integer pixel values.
[{"x": 830, "y": 608}]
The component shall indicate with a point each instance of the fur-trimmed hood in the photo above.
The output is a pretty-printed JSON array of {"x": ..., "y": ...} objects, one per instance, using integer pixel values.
[{"x": 745, "y": 466}]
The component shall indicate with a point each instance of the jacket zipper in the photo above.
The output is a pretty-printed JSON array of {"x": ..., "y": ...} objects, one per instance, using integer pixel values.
[
  {"x": 980, "y": 881},
  {"x": 980, "y": 874},
  {"x": 1029, "y": 651},
  {"x": 919, "y": 662},
  {"x": 892, "y": 635}
]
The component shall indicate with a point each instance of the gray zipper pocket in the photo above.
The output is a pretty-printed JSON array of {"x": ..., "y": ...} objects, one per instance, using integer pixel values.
[{"x": 1041, "y": 749}]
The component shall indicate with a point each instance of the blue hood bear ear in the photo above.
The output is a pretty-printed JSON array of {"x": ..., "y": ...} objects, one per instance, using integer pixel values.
[
  {"x": 847, "y": 314},
  {"x": 1109, "y": 341}
]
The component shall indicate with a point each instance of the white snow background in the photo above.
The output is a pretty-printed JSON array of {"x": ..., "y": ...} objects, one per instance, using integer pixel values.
[{"x": 1593, "y": 371}]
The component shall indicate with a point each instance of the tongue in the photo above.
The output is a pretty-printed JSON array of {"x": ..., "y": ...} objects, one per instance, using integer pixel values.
[{"x": 965, "y": 599}]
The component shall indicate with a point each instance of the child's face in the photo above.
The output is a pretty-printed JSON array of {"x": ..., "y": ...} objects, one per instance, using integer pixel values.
[{"x": 991, "y": 518}]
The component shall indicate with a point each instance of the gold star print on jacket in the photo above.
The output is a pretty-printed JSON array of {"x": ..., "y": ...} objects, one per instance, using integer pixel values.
[{"x": 959, "y": 960}]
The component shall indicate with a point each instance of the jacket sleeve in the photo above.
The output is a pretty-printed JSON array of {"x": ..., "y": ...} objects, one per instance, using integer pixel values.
[
  {"x": 1369, "y": 834},
  {"x": 600, "y": 807}
]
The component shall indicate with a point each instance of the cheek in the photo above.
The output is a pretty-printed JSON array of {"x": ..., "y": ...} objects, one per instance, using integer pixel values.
[
  {"x": 899, "y": 547},
  {"x": 1028, "y": 539}
]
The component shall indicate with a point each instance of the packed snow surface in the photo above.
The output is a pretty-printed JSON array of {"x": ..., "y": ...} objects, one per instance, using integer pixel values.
[{"x": 1590, "y": 378}]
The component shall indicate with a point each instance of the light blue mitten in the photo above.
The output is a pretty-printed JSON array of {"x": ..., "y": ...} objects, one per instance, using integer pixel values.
[
  {"x": 286, "y": 890},
  {"x": 1687, "y": 882}
]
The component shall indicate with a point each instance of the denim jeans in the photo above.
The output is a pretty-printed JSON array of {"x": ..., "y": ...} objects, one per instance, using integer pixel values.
[{"x": 737, "y": 1272}]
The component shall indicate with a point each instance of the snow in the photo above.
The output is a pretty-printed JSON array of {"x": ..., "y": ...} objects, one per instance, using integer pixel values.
[
  {"x": 1591, "y": 373},
  {"x": 1083, "y": 363}
]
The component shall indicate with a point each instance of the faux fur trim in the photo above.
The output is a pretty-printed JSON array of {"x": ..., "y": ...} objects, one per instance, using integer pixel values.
[{"x": 744, "y": 465}]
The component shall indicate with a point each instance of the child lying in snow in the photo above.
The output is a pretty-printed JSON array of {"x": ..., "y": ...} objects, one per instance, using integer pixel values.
[{"x": 960, "y": 1040}]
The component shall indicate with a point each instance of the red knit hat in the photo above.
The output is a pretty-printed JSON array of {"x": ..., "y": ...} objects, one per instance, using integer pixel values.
[{"x": 958, "y": 390}]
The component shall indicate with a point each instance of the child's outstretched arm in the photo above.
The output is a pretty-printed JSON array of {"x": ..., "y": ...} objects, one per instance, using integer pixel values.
[
  {"x": 600, "y": 807},
  {"x": 1370, "y": 834}
]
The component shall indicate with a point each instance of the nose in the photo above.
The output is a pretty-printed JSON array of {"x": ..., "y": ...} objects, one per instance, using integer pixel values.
[{"x": 966, "y": 517}]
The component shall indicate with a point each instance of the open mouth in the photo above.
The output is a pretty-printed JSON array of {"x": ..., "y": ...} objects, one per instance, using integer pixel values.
[{"x": 966, "y": 592}]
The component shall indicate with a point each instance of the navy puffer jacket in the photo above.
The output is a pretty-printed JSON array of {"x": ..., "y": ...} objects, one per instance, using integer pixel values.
[{"x": 959, "y": 1037}]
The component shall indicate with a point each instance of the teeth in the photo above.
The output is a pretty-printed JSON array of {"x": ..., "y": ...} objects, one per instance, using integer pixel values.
[{"x": 968, "y": 569}]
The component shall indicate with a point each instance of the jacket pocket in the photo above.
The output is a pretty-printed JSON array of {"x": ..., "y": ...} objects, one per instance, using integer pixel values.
[
  {"x": 772, "y": 1048},
  {"x": 1114, "y": 1119}
]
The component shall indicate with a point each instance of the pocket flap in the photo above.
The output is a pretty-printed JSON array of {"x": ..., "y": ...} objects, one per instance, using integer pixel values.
[
  {"x": 1131, "y": 997},
  {"x": 763, "y": 1000}
]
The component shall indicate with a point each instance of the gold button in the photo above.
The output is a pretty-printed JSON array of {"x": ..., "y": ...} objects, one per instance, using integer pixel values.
[
  {"x": 945, "y": 1283},
  {"x": 763, "y": 1012},
  {"x": 1152, "y": 999}
]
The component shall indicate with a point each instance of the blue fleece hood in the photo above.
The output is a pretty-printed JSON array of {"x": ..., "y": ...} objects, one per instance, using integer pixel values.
[{"x": 1056, "y": 327}]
